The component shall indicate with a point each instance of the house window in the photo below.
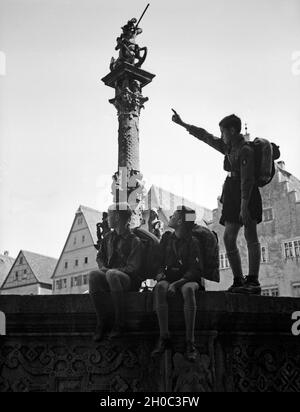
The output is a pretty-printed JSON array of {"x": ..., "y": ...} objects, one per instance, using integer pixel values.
[
  {"x": 83, "y": 238},
  {"x": 271, "y": 291},
  {"x": 74, "y": 240},
  {"x": 25, "y": 274},
  {"x": 59, "y": 284},
  {"x": 79, "y": 220},
  {"x": 76, "y": 281},
  {"x": 291, "y": 249},
  {"x": 17, "y": 276},
  {"x": 85, "y": 279},
  {"x": 64, "y": 283},
  {"x": 224, "y": 262},
  {"x": 66, "y": 265},
  {"x": 86, "y": 260},
  {"x": 268, "y": 215},
  {"x": 264, "y": 254},
  {"x": 21, "y": 260},
  {"x": 296, "y": 290},
  {"x": 76, "y": 262}
]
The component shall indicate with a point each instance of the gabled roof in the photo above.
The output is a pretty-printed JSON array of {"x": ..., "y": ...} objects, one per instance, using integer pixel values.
[
  {"x": 167, "y": 201},
  {"x": 42, "y": 266},
  {"x": 92, "y": 217},
  {"x": 6, "y": 263}
]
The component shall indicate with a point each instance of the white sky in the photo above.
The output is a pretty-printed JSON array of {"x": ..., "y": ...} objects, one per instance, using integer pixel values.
[{"x": 58, "y": 133}]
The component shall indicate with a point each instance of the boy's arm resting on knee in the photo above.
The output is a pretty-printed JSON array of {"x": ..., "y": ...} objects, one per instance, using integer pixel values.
[
  {"x": 101, "y": 258},
  {"x": 179, "y": 283},
  {"x": 162, "y": 255},
  {"x": 213, "y": 141},
  {"x": 196, "y": 266},
  {"x": 134, "y": 260}
]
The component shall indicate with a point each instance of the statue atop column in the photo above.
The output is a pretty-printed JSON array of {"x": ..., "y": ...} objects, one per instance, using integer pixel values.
[
  {"x": 129, "y": 51},
  {"x": 128, "y": 79}
]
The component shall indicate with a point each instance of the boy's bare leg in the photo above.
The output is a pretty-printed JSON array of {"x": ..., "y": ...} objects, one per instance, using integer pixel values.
[
  {"x": 97, "y": 285},
  {"x": 190, "y": 310},
  {"x": 252, "y": 285},
  {"x": 233, "y": 254},
  {"x": 119, "y": 283},
  {"x": 162, "y": 311}
]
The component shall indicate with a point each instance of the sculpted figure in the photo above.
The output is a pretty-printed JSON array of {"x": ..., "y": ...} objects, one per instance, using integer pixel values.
[{"x": 129, "y": 51}]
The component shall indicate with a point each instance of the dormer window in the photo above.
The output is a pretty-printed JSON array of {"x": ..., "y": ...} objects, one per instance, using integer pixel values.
[{"x": 268, "y": 215}]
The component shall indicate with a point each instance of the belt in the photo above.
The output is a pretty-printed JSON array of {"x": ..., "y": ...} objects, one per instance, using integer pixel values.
[{"x": 234, "y": 174}]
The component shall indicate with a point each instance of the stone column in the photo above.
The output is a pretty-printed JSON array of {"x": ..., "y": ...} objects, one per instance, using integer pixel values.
[{"x": 128, "y": 82}]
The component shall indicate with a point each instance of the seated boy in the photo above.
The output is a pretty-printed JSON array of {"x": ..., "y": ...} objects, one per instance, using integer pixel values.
[
  {"x": 119, "y": 260},
  {"x": 181, "y": 270}
]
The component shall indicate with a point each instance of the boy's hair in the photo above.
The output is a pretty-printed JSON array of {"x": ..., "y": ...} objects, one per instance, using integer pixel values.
[
  {"x": 187, "y": 215},
  {"x": 123, "y": 209},
  {"x": 231, "y": 121}
]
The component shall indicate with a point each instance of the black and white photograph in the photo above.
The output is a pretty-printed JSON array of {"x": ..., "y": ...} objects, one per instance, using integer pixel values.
[{"x": 149, "y": 199}]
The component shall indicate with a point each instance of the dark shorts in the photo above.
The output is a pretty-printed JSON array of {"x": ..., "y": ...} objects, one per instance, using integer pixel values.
[{"x": 231, "y": 200}]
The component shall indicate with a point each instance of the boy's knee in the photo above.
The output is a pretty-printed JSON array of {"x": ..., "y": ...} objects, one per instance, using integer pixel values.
[
  {"x": 113, "y": 276},
  {"x": 189, "y": 292},
  {"x": 94, "y": 276},
  {"x": 161, "y": 288}
]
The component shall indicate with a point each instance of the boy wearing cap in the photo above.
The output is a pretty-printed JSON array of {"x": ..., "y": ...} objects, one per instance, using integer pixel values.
[
  {"x": 181, "y": 270},
  {"x": 241, "y": 199},
  {"x": 119, "y": 260}
]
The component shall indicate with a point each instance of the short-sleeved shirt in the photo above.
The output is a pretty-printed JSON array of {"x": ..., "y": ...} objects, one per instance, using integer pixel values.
[
  {"x": 181, "y": 258},
  {"x": 122, "y": 252}
]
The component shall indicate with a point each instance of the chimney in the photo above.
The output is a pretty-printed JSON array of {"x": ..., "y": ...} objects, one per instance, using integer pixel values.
[
  {"x": 281, "y": 164},
  {"x": 6, "y": 253}
]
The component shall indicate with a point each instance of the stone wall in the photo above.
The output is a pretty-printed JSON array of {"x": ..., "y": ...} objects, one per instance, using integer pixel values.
[{"x": 245, "y": 344}]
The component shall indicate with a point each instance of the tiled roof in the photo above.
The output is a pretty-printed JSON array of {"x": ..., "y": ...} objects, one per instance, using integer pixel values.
[
  {"x": 6, "y": 263},
  {"x": 158, "y": 197},
  {"x": 92, "y": 217},
  {"x": 42, "y": 266}
]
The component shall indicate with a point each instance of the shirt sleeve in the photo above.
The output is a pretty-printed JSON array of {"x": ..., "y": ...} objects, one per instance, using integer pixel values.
[
  {"x": 134, "y": 260},
  {"x": 247, "y": 165},
  {"x": 162, "y": 251},
  {"x": 102, "y": 254},
  {"x": 213, "y": 141},
  {"x": 196, "y": 265}
]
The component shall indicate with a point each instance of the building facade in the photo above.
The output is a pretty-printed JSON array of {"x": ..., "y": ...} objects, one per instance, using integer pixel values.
[
  {"x": 29, "y": 275},
  {"x": 79, "y": 254},
  {"x": 279, "y": 235}
]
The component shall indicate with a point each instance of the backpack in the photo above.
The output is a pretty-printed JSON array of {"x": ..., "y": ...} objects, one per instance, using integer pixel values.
[
  {"x": 265, "y": 155},
  {"x": 151, "y": 253},
  {"x": 209, "y": 244}
]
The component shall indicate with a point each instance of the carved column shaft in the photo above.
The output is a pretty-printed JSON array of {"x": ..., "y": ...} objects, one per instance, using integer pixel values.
[
  {"x": 129, "y": 155},
  {"x": 128, "y": 185}
]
